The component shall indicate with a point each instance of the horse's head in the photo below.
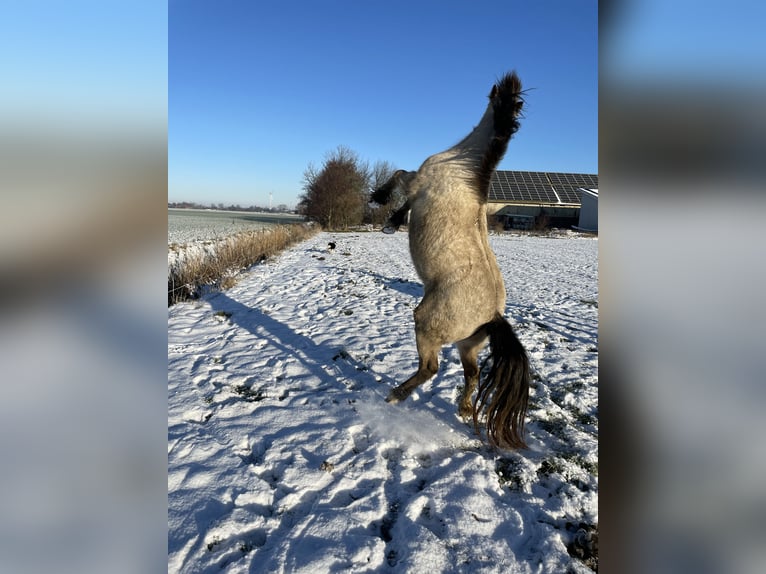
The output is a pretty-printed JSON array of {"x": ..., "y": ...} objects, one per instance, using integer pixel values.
[{"x": 399, "y": 181}]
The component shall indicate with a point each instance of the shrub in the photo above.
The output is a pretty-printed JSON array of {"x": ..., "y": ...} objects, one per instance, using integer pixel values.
[{"x": 335, "y": 195}]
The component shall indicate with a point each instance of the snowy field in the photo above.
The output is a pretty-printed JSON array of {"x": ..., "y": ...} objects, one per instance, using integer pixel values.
[
  {"x": 195, "y": 232},
  {"x": 189, "y": 225},
  {"x": 284, "y": 457}
]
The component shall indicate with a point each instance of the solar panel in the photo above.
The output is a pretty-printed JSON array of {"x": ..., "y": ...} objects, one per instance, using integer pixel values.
[
  {"x": 567, "y": 185},
  {"x": 540, "y": 186},
  {"x": 521, "y": 186}
]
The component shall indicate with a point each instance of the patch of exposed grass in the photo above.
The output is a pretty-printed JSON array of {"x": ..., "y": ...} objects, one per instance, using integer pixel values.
[
  {"x": 550, "y": 466},
  {"x": 509, "y": 473},
  {"x": 584, "y": 418},
  {"x": 555, "y": 426},
  {"x": 219, "y": 267},
  {"x": 583, "y": 543},
  {"x": 249, "y": 394},
  {"x": 579, "y": 460}
]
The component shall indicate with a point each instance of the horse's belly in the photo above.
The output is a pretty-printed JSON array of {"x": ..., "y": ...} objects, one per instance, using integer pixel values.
[
  {"x": 437, "y": 253},
  {"x": 450, "y": 256}
]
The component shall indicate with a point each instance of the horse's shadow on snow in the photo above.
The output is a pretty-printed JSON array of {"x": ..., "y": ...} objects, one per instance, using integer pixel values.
[
  {"x": 404, "y": 286},
  {"x": 330, "y": 363}
]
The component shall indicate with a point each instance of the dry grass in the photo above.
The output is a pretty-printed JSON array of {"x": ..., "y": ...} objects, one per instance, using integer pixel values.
[
  {"x": 494, "y": 225},
  {"x": 219, "y": 266}
]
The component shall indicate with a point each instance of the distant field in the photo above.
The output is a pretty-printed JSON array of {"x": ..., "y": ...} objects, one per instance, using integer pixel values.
[{"x": 186, "y": 225}]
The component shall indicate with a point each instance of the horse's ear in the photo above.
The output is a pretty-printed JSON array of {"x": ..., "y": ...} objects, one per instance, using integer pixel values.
[
  {"x": 493, "y": 92},
  {"x": 404, "y": 178}
]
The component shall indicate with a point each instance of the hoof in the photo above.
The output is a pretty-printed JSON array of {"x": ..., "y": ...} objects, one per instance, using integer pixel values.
[
  {"x": 389, "y": 230},
  {"x": 396, "y": 395}
]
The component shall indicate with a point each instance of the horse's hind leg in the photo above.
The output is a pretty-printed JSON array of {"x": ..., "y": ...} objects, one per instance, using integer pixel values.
[
  {"x": 469, "y": 352},
  {"x": 428, "y": 351}
]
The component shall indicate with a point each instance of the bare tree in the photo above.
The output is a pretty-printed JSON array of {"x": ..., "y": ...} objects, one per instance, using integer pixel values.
[
  {"x": 380, "y": 173},
  {"x": 336, "y": 195}
]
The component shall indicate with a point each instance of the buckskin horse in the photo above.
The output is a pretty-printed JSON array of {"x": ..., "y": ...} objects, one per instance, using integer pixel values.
[{"x": 464, "y": 297}]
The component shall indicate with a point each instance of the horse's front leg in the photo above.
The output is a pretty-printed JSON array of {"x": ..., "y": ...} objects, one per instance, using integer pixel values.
[
  {"x": 396, "y": 219},
  {"x": 428, "y": 353}
]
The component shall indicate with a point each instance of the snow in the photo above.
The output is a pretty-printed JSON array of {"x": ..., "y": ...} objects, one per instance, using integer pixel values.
[
  {"x": 283, "y": 455},
  {"x": 196, "y": 234},
  {"x": 203, "y": 225}
]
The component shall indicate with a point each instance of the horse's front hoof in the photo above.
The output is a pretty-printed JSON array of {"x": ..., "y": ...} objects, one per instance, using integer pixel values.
[
  {"x": 389, "y": 230},
  {"x": 396, "y": 396}
]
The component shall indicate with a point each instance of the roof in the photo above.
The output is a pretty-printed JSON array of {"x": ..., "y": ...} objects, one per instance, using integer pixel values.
[{"x": 540, "y": 187}]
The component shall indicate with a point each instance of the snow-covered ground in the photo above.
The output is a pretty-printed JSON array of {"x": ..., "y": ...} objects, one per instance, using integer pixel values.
[
  {"x": 284, "y": 457},
  {"x": 197, "y": 232},
  {"x": 198, "y": 225}
]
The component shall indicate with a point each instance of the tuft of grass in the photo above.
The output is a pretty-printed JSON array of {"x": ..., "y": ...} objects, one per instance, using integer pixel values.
[
  {"x": 509, "y": 474},
  {"x": 579, "y": 460},
  {"x": 584, "y": 418},
  {"x": 219, "y": 268},
  {"x": 249, "y": 394},
  {"x": 550, "y": 466},
  {"x": 555, "y": 426},
  {"x": 584, "y": 543}
]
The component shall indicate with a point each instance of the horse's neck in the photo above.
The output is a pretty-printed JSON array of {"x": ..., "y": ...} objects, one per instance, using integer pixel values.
[
  {"x": 473, "y": 146},
  {"x": 453, "y": 172}
]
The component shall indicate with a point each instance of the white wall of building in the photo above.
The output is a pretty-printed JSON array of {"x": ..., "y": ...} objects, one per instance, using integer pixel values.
[{"x": 588, "y": 210}]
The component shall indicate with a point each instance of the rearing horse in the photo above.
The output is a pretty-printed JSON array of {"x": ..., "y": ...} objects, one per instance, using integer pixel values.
[{"x": 464, "y": 296}]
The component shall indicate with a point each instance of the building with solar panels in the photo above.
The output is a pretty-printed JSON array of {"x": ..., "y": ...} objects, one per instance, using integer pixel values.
[{"x": 538, "y": 199}]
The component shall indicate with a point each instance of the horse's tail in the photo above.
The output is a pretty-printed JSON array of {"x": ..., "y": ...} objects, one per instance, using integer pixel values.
[
  {"x": 503, "y": 390},
  {"x": 506, "y": 101}
]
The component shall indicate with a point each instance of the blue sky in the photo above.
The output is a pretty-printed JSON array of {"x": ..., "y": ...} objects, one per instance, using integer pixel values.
[
  {"x": 258, "y": 90},
  {"x": 86, "y": 64},
  {"x": 687, "y": 41}
]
